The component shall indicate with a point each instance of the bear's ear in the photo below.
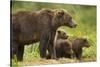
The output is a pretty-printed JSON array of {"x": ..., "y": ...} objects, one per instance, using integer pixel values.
[
  {"x": 85, "y": 40},
  {"x": 60, "y": 13},
  {"x": 59, "y": 32}
]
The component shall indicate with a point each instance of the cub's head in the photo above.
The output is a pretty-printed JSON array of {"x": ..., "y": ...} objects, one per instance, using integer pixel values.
[
  {"x": 83, "y": 42},
  {"x": 62, "y": 35}
]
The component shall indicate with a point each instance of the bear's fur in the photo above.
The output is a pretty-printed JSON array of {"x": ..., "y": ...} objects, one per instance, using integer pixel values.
[
  {"x": 32, "y": 26},
  {"x": 77, "y": 44},
  {"x": 69, "y": 48},
  {"x": 62, "y": 45}
]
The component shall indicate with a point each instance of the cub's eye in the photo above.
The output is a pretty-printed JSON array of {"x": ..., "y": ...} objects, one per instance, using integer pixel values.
[
  {"x": 85, "y": 40},
  {"x": 64, "y": 34}
]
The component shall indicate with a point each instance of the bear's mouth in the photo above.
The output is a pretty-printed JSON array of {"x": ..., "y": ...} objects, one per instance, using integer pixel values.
[
  {"x": 87, "y": 46},
  {"x": 72, "y": 24}
]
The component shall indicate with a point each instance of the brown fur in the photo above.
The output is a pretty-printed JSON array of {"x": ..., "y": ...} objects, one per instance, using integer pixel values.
[
  {"x": 77, "y": 45},
  {"x": 29, "y": 27},
  {"x": 62, "y": 45}
]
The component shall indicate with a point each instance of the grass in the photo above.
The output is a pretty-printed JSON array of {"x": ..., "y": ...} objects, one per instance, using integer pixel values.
[{"x": 85, "y": 16}]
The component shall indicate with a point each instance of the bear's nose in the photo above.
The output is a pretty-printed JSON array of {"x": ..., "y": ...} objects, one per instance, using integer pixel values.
[{"x": 88, "y": 45}]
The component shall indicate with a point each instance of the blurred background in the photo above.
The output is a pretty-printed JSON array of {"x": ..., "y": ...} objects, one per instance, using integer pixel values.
[{"x": 85, "y": 17}]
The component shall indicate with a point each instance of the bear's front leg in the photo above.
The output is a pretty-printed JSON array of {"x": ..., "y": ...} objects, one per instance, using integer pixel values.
[
  {"x": 51, "y": 51},
  {"x": 52, "y": 47},
  {"x": 43, "y": 45},
  {"x": 79, "y": 54}
]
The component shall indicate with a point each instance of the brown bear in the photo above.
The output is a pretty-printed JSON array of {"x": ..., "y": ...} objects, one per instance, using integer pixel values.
[
  {"x": 77, "y": 44},
  {"x": 62, "y": 45},
  {"x": 69, "y": 48},
  {"x": 32, "y": 26}
]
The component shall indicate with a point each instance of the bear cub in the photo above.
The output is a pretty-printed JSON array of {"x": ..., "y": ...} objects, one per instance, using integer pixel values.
[
  {"x": 77, "y": 45},
  {"x": 62, "y": 45}
]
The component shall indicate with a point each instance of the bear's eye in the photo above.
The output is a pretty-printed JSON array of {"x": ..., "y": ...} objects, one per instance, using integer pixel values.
[
  {"x": 61, "y": 12},
  {"x": 64, "y": 34},
  {"x": 70, "y": 18}
]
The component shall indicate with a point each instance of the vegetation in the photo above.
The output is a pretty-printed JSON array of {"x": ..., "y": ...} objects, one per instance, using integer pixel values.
[{"x": 84, "y": 15}]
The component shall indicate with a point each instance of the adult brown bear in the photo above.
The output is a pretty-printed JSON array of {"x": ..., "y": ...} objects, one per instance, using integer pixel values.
[{"x": 29, "y": 27}]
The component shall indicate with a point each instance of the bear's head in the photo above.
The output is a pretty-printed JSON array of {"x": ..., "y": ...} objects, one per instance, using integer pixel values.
[
  {"x": 62, "y": 35},
  {"x": 83, "y": 42},
  {"x": 62, "y": 17}
]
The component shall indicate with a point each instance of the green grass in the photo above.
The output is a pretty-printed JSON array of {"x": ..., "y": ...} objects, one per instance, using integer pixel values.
[{"x": 85, "y": 16}]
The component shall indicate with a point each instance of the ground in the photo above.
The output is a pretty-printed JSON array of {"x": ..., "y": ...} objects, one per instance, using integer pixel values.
[{"x": 31, "y": 57}]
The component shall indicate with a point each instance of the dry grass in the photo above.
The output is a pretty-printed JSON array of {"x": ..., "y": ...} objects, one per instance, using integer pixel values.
[{"x": 40, "y": 61}]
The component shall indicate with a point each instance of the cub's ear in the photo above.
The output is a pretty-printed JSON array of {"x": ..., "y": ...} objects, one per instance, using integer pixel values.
[
  {"x": 58, "y": 32},
  {"x": 85, "y": 40},
  {"x": 60, "y": 13}
]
